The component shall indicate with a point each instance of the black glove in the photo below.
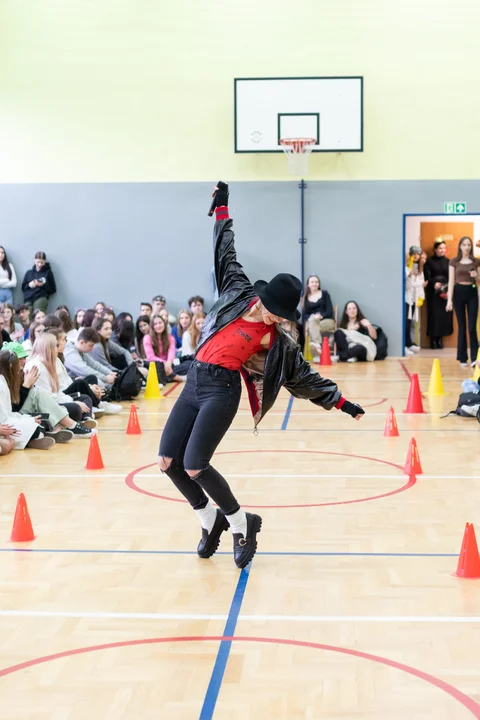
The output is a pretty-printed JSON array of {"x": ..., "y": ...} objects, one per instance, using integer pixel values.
[
  {"x": 352, "y": 409},
  {"x": 220, "y": 197}
]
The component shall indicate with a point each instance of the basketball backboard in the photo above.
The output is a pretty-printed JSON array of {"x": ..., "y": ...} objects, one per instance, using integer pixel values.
[{"x": 328, "y": 109}]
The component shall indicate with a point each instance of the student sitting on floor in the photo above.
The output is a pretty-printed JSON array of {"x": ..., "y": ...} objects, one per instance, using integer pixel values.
[
  {"x": 36, "y": 329},
  {"x": 108, "y": 353},
  {"x": 184, "y": 318},
  {"x": 355, "y": 336},
  {"x": 14, "y": 329},
  {"x": 159, "y": 346},
  {"x": 79, "y": 362}
]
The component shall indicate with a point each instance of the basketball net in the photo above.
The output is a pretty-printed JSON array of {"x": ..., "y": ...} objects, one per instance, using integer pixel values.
[{"x": 297, "y": 151}]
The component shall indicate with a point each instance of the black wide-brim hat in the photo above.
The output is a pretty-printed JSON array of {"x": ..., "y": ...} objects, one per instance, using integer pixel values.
[{"x": 281, "y": 295}]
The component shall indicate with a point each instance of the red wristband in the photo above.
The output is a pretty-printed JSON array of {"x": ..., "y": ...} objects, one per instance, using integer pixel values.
[
  {"x": 222, "y": 212},
  {"x": 340, "y": 403}
]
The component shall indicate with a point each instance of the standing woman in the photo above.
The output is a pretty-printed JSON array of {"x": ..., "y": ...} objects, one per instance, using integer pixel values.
[
  {"x": 463, "y": 297},
  {"x": 318, "y": 313},
  {"x": 39, "y": 284},
  {"x": 439, "y": 321},
  {"x": 8, "y": 278},
  {"x": 241, "y": 335}
]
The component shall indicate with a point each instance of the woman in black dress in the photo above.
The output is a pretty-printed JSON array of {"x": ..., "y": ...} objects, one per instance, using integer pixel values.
[{"x": 439, "y": 321}]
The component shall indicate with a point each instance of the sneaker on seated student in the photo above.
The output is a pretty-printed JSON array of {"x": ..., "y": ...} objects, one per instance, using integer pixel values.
[
  {"x": 36, "y": 329},
  {"x": 146, "y": 309},
  {"x": 159, "y": 346},
  {"x": 8, "y": 278},
  {"x": 110, "y": 354},
  {"x": 23, "y": 313},
  {"x": 38, "y": 400},
  {"x": 27, "y": 430},
  {"x": 14, "y": 329},
  {"x": 77, "y": 397},
  {"x": 79, "y": 362},
  {"x": 192, "y": 335},
  {"x": 159, "y": 303},
  {"x": 4, "y": 334},
  {"x": 196, "y": 304},
  {"x": 184, "y": 318}
]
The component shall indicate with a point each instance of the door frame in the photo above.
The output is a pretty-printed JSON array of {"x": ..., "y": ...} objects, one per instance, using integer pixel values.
[{"x": 404, "y": 254}]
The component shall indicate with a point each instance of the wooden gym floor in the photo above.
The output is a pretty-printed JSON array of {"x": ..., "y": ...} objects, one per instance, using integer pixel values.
[{"x": 349, "y": 610}]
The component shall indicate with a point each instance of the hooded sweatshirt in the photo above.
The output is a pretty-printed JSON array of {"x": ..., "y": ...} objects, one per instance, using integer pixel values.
[{"x": 48, "y": 288}]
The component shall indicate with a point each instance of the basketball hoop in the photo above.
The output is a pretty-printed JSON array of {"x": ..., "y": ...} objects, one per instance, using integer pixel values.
[{"x": 297, "y": 151}]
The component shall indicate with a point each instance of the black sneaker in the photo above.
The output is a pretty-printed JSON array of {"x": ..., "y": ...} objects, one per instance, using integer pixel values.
[
  {"x": 211, "y": 540},
  {"x": 81, "y": 432},
  {"x": 244, "y": 548},
  {"x": 61, "y": 436}
]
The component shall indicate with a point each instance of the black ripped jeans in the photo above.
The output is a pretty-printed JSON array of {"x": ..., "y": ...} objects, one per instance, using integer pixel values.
[{"x": 199, "y": 420}]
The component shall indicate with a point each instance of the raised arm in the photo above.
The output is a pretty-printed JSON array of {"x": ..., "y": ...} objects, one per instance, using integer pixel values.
[{"x": 229, "y": 274}]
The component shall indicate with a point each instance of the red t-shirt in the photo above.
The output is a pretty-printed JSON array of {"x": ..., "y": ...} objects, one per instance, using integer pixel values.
[{"x": 234, "y": 344}]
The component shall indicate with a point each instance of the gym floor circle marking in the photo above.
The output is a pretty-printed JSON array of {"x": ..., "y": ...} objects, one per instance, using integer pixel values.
[
  {"x": 130, "y": 480},
  {"x": 467, "y": 702}
]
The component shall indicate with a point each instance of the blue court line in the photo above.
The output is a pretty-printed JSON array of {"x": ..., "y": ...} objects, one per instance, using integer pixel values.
[
  {"x": 287, "y": 413},
  {"x": 280, "y": 553},
  {"x": 211, "y": 696}
]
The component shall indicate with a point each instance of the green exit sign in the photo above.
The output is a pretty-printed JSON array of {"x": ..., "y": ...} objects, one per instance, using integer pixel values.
[{"x": 454, "y": 208}]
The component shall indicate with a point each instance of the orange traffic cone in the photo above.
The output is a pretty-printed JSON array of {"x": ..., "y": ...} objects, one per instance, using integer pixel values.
[
  {"x": 412, "y": 463},
  {"x": 94, "y": 459},
  {"x": 391, "y": 427},
  {"x": 469, "y": 559},
  {"x": 22, "y": 530},
  {"x": 325, "y": 358},
  {"x": 133, "y": 427},
  {"x": 414, "y": 402}
]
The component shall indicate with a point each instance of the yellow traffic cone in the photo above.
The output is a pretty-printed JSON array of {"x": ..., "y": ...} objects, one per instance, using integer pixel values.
[
  {"x": 436, "y": 383},
  {"x": 307, "y": 353},
  {"x": 152, "y": 391},
  {"x": 476, "y": 374}
]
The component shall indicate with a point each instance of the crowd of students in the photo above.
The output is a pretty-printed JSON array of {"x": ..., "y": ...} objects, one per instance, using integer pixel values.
[{"x": 57, "y": 371}]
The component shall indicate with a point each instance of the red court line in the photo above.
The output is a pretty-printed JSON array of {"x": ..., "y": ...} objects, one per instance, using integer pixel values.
[
  {"x": 131, "y": 482},
  {"x": 170, "y": 390},
  {"x": 405, "y": 369},
  {"x": 467, "y": 702}
]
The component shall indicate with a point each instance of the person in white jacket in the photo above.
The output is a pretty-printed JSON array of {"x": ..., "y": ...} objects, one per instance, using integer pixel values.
[
  {"x": 414, "y": 295},
  {"x": 8, "y": 278}
]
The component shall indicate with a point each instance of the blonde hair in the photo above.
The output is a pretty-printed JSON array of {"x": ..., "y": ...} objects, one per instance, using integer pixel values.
[
  {"x": 44, "y": 349},
  {"x": 194, "y": 331}
]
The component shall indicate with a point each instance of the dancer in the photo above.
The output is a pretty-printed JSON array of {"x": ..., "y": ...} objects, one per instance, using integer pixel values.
[{"x": 241, "y": 336}]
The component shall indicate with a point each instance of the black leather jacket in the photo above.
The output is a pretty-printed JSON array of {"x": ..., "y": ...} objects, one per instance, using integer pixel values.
[{"x": 267, "y": 371}]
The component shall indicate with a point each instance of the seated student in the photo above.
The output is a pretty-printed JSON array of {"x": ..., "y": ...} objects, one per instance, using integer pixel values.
[
  {"x": 88, "y": 318},
  {"x": 184, "y": 318},
  {"x": 317, "y": 314},
  {"x": 39, "y": 315},
  {"x": 124, "y": 331},
  {"x": 79, "y": 362},
  {"x": 36, "y": 329},
  {"x": 39, "y": 284},
  {"x": 196, "y": 304},
  {"x": 146, "y": 309},
  {"x": 65, "y": 308},
  {"x": 159, "y": 303},
  {"x": 52, "y": 321},
  {"x": 78, "y": 319},
  {"x": 159, "y": 346},
  {"x": 8, "y": 278},
  {"x": 39, "y": 400},
  {"x": 78, "y": 397},
  {"x": 166, "y": 319},
  {"x": 6, "y": 440},
  {"x": 66, "y": 324},
  {"x": 110, "y": 315},
  {"x": 14, "y": 329},
  {"x": 356, "y": 335},
  {"x": 23, "y": 313},
  {"x": 142, "y": 328},
  {"x": 192, "y": 335},
  {"x": 110, "y": 354},
  {"x": 100, "y": 308},
  {"x": 27, "y": 430}
]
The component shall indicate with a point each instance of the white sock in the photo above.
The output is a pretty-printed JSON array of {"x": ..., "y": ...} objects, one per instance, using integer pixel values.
[
  {"x": 238, "y": 522},
  {"x": 207, "y": 516}
]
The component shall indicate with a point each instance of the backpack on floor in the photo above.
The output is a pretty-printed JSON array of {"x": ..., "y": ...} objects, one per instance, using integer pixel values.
[
  {"x": 468, "y": 406},
  {"x": 382, "y": 344},
  {"x": 127, "y": 385}
]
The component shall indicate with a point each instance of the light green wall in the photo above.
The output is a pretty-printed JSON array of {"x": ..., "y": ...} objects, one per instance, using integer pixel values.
[{"x": 142, "y": 90}]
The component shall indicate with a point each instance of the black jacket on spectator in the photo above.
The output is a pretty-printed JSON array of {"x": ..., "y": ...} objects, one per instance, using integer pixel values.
[
  {"x": 323, "y": 306},
  {"x": 6, "y": 337},
  {"x": 45, "y": 290}
]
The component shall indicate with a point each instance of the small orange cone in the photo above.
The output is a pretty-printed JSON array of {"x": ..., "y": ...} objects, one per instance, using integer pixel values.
[
  {"x": 22, "y": 530},
  {"x": 412, "y": 463},
  {"x": 94, "y": 459},
  {"x": 469, "y": 559},
  {"x": 391, "y": 427},
  {"x": 133, "y": 427},
  {"x": 325, "y": 358},
  {"x": 414, "y": 402}
]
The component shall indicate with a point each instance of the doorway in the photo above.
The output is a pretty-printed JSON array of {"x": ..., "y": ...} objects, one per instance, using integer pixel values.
[{"x": 424, "y": 230}]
